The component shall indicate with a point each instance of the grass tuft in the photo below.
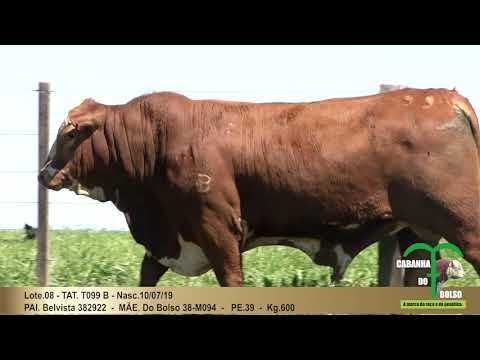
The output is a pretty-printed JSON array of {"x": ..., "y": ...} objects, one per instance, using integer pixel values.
[{"x": 109, "y": 258}]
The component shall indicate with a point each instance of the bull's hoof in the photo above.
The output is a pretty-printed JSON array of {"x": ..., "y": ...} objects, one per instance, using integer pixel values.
[{"x": 337, "y": 276}]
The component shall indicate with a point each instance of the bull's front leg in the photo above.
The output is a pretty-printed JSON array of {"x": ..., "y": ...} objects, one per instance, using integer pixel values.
[
  {"x": 222, "y": 248},
  {"x": 211, "y": 211},
  {"x": 218, "y": 232},
  {"x": 151, "y": 271}
]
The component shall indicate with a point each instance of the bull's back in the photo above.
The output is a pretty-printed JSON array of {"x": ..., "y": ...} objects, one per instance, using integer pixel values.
[
  {"x": 335, "y": 160},
  {"x": 294, "y": 163}
]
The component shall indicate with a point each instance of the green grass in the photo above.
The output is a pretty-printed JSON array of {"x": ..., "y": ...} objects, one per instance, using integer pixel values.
[{"x": 107, "y": 258}]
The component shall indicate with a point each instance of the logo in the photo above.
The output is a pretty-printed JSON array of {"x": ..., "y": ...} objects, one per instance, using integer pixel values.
[
  {"x": 433, "y": 275},
  {"x": 440, "y": 272}
]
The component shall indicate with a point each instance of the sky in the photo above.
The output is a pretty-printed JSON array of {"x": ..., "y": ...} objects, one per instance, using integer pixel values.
[{"x": 116, "y": 74}]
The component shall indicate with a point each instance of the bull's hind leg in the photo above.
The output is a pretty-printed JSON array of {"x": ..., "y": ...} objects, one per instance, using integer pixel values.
[
  {"x": 471, "y": 250},
  {"x": 453, "y": 215},
  {"x": 440, "y": 193}
]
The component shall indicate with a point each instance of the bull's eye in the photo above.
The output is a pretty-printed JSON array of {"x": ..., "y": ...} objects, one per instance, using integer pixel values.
[{"x": 71, "y": 134}]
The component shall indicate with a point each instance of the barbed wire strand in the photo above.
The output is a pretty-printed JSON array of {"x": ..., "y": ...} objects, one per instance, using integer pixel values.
[
  {"x": 18, "y": 172},
  {"x": 16, "y": 134},
  {"x": 50, "y": 203}
]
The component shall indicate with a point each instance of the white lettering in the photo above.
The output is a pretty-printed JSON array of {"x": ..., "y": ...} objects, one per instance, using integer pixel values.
[
  {"x": 451, "y": 294},
  {"x": 409, "y": 264}
]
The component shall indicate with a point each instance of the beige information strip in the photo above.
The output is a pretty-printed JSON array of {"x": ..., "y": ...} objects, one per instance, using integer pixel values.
[{"x": 226, "y": 301}]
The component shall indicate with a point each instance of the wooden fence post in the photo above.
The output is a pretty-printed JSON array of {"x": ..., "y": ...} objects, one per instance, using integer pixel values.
[{"x": 42, "y": 232}]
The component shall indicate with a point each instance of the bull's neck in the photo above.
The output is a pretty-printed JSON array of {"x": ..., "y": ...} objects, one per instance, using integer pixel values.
[{"x": 130, "y": 133}]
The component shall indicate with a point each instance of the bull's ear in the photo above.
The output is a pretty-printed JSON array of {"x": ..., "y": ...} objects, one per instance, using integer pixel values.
[
  {"x": 88, "y": 116},
  {"x": 87, "y": 125},
  {"x": 92, "y": 121}
]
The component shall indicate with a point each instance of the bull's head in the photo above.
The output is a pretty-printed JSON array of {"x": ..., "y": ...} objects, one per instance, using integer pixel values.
[{"x": 63, "y": 166}]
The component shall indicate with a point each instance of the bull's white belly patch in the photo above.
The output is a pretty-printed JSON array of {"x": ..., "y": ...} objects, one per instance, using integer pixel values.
[
  {"x": 343, "y": 259},
  {"x": 191, "y": 261},
  {"x": 96, "y": 193}
]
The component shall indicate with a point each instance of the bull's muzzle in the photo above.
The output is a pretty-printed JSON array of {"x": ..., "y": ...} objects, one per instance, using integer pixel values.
[{"x": 52, "y": 178}]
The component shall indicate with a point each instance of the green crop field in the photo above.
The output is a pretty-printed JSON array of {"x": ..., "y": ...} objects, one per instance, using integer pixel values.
[{"x": 107, "y": 258}]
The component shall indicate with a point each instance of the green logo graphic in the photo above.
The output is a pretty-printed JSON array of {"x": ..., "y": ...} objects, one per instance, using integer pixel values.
[{"x": 433, "y": 252}]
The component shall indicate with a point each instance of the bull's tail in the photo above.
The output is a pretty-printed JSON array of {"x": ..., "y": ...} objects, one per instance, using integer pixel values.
[{"x": 467, "y": 113}]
